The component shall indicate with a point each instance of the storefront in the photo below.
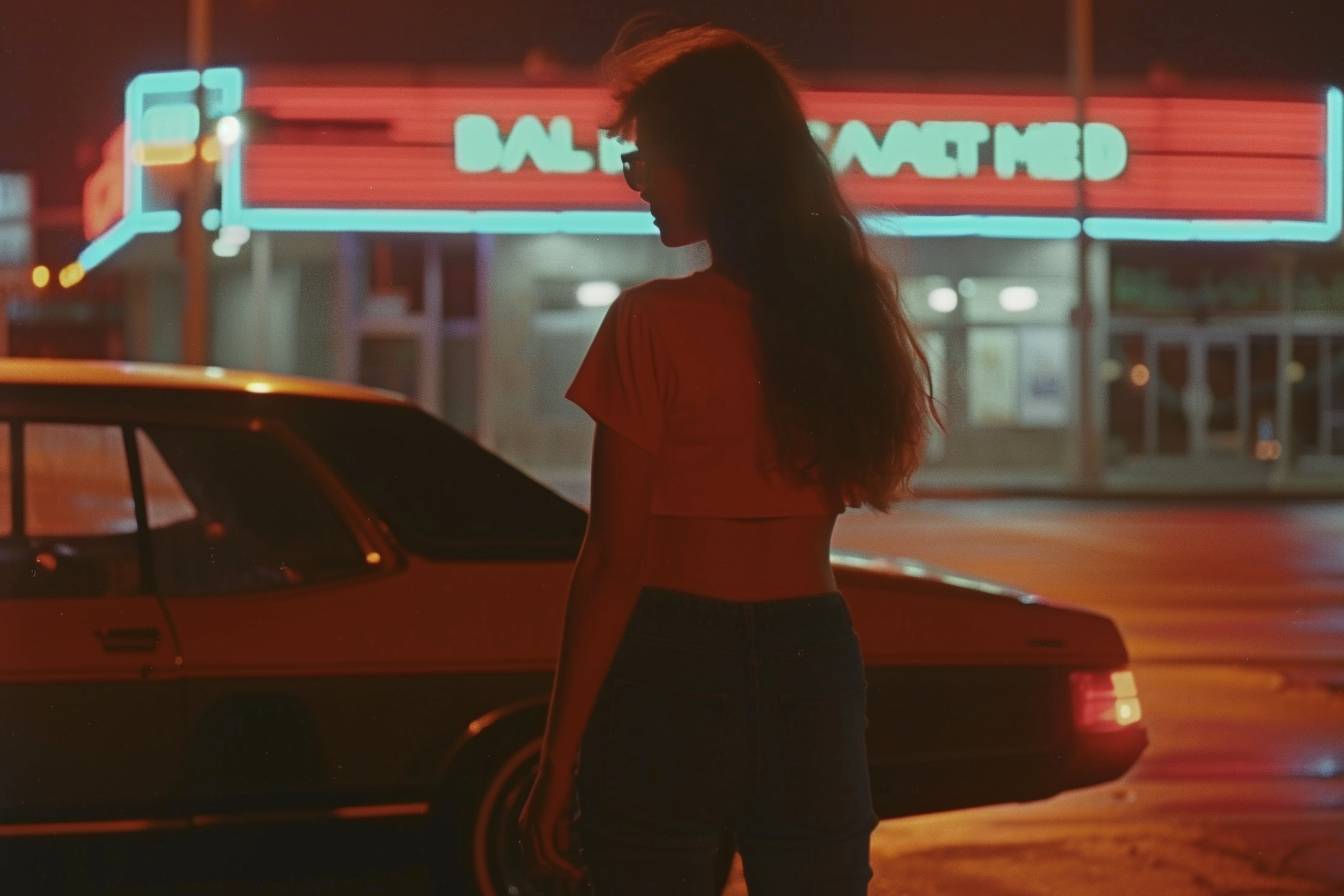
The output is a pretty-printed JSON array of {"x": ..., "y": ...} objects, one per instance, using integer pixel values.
[{"x": 459, "y": 241}]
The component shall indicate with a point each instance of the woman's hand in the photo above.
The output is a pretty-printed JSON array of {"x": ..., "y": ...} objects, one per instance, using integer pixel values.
[{"x": 545, "y": 824}]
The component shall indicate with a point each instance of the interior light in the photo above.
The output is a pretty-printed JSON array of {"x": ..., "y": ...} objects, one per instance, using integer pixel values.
[
  {"x": 258, "y": 387},
  {"x": 71, "y": 274},
  {"x": 214, "y": 372},
  {"x": 41, "y": 276},
  {"x": 225, "y": 249},
  {"x": 1111, "y": 370},
  {"x": 597, "y": 293},
  {"x": 966, "y": 286},
  {"x": 235, "y": 233},
  {"x": 229, "y": 130},
  {"x": 1018, "y": 298},
  {"x": 1138, "y": 374},
  {"x": 943, "y": 299},
  {"x": 1296, "y": 371},
  {"x": 154, "y": 155}
]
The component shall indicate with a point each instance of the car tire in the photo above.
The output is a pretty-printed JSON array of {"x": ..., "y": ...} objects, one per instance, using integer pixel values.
[{"x": 474, "y": 847}]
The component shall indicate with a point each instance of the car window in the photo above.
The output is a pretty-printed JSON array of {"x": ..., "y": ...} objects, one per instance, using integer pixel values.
[
  {"x": 443, "y": 496},
  {"x": 77, "y": 533},
  {"x": 165, "y": 501},
  {"x": 233, "y": 510},
  {"x": 76, "y": 481}
]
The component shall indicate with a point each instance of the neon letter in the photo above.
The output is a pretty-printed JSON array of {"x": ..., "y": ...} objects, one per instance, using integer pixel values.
[
  {"x": 1049, "y": 150},
  {"x": 967, "y": 136},
  {"x": 476, "y": 144},
  {"x": 1105, "y": 151},
  {"x": 856, "y": 142},
  {"x": 551, "y": 151}
]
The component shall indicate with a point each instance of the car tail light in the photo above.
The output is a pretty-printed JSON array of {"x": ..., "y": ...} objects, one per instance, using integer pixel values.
[{"x": 1104, "y": 701}]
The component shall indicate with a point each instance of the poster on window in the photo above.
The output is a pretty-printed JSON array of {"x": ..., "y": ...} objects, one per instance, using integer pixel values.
[
  {"x": 1044, "y": 362},
  {"x": 992, "y": 387}
]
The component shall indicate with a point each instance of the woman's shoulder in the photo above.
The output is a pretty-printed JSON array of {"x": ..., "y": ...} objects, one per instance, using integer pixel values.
[{"x": 704, "y": 284}]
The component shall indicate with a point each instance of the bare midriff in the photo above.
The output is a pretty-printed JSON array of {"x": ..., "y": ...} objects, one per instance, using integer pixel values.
[{"x": 741, "y": 558}]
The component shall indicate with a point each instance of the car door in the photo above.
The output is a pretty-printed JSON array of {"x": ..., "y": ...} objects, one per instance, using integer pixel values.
[
  {"x": 277, "y": 594},
  {"x": 90, "y": 711}
]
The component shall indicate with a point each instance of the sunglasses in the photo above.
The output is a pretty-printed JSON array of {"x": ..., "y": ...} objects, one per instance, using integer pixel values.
[{"x": 634, "y": 168}]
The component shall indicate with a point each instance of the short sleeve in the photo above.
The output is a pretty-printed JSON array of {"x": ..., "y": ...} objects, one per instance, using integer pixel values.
[{"x": 622, "y": 381}]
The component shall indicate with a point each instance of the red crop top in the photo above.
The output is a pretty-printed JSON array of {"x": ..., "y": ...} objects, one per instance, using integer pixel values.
[{"x": 674, "y": 368}]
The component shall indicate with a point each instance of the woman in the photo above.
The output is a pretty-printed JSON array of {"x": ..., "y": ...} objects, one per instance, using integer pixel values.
[{"x": 709, "y": 669}]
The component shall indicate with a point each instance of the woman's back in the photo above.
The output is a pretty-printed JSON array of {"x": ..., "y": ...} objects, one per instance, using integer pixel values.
[
  {"x": 727, "y": 543},
  {"x": 677, "y": 369}
]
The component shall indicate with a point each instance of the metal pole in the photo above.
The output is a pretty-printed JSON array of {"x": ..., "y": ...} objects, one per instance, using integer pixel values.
[
  {"x": 1088, "y": 473},
  {"x": 261, "y": 301},
  {"x": 195, "y": 310}
]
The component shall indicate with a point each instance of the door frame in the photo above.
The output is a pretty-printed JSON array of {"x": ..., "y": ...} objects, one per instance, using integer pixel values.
[{"x": 1197, "y": 341}]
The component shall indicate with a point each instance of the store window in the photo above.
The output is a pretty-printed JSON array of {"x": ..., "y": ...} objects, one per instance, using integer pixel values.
[
  {"x": 1262, "y": 436},
  {"x": 1305, "y": 376},
  {"x": 390, "y": 362},
  {"x": 569, "y": 312},
  {"x": 396, "y": 276},
  {"x": 993, "y": 375},
  {"x": 457, "y": 264},
  {"x": 935, "y": 351},
  {"x": 1018, "y": 376},
  {"x": 1126, "y": 378}
]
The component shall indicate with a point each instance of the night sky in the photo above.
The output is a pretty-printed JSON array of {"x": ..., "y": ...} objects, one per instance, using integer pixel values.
[{"x": 64, "y": 63}]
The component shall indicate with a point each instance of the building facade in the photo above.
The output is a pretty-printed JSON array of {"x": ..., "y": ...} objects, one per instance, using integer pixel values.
[{"x": 458, "y": 240}]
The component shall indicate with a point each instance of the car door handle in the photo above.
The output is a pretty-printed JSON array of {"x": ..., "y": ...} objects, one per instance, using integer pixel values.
[{"x": 128, "y": 640}]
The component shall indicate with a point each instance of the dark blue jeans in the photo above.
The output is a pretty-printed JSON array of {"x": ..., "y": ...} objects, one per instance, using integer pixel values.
[{"x": 718, "y": 716}]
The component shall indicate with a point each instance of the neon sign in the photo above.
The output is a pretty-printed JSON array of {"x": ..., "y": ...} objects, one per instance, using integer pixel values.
[
  {"x": 144, "y": 139},
  {"x": 1047, "y": 150},
  {"x": 464, "y": 159}
]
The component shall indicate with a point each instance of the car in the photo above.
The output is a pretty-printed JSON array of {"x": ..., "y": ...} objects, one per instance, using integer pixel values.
[{"x": 232, "y": 596}]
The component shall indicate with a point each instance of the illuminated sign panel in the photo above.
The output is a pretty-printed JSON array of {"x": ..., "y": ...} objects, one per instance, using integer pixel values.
[
  {"x": 129, "y": 193},
  {"x": 533, "y": 159},
  {"x": 541, "y": 148}
]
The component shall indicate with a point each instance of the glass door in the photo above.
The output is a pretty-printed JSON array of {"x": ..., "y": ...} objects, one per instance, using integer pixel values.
[
  {"x": 1226, "y": 382},
  {"x": 1168, "y": 416},
  {"x": 1198, "y": 399}
]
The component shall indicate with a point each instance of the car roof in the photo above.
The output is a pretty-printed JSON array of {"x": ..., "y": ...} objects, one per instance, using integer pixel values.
[{"x": 121, "y": 374}]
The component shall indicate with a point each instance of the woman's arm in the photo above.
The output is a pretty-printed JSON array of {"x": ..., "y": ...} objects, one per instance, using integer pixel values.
[
  {"x": 601, "y": 599},
  {"x": 602, "y": 592}
]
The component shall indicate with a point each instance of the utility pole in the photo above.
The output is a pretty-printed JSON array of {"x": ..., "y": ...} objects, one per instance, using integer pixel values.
[
  {"x": 196, "y": 307},
  {"x": 1088, "y": 471}
]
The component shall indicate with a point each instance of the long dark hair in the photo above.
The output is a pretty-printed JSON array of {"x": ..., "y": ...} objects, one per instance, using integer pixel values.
[{"x": 847, "y": 388}]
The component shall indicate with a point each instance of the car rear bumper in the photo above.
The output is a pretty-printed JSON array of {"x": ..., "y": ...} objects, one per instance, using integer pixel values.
[{"x": 923, "y": 785}]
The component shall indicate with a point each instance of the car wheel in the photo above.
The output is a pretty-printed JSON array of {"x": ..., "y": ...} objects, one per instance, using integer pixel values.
[{"x": 475, "y": 844}]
